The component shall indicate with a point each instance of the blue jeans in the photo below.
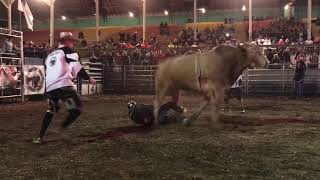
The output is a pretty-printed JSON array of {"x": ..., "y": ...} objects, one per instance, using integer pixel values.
[{"x": 298, "y": 88}]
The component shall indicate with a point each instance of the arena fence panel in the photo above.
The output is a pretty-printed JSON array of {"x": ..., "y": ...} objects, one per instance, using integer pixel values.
[
  {"x": 9, "y": 60},
  {"x": 133, "y": 78},
  {"x": 96, "y": 71},
  {"x": 140, "y": 80}
]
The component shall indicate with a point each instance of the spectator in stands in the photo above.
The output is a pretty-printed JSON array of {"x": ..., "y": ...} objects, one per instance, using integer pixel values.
[
  {"x": 103, "y": 58},
  {"x": 166, "y": 29},
  {"x": 270, "y": 54},
  {"x": 110, "y": 59},
  {"x": 286, "y": 56},
  {"x": 283, "y": 29},
  {"x": 275, "y": 59},
  {"x": 134, "y": 38},
  {"x": 122, "y": 36},
  {"x": 80, "y": 35},
  {"x": 161, "y": 29},
  {"x": 136, "y": 57},
  {"x": 145, "y": 58},
  {"x": 125, "y": 59},
  {"x": 8, "y": 45},
  {"x": 308, "y": 42}
]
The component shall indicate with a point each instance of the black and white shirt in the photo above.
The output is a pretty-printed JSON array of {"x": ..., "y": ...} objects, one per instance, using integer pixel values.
[
  {"x": 237, "y": 83},
  {"x": 62, "y": 66}
]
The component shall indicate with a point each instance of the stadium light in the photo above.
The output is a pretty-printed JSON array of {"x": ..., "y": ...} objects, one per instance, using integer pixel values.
[
  {"x": 166, "y": 12},
  {"x": 131, "y": 14},
  {"x": 286, "y": 7},
  {"x": 203, "y": 10},
  {"x": 63, "y": 18},
  {"x": 243, "y": 8}
]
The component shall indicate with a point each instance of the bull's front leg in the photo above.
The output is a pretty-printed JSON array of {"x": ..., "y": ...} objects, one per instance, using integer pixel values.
[
  {"x": 216, "y": 99},
  {"x": 196, "y": 114},
  {"x": 176, "y": 97},
  {"x": 156, "y": 108}
]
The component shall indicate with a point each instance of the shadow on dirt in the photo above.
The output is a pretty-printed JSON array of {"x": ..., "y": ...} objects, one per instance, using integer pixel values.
[
  {"x": 254, "y": 121},
  {"x": 116, "y": 132}
]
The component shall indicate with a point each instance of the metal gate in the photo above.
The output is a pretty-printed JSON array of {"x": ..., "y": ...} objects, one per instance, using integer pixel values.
[{"x": 130, "y": 79}]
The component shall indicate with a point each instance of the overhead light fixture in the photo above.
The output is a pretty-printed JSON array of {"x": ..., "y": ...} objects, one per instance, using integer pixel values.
[
  {"x": 286, "y": 7},
  {"x": 203, "y": 10},
  {"x": 243, "y": 8},
  {"x": 63, "y": 18},
  {"x": 131, "y": 14}
]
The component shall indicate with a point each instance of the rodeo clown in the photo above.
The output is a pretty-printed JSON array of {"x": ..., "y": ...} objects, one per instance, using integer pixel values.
[
  {"x": 236, "y": 93},
  {"x": 143, "y": 114},
  {"x": 62, "y": 67}
]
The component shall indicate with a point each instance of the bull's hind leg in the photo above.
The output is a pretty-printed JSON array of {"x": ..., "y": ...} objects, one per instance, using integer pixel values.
[{"x": 161, "y": 90}]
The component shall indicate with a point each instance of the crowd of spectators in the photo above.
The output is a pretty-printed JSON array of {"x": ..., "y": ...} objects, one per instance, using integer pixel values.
[
  {"x": 129, "y": 49},
  {"x": 281, "y": 32},
  {"x": 31, "y": 49},
  {"x": 278, "y": 57},
  {"x": 208, "y": 36},
  {"x": 138, "y": 56},
  {"x": 288, "y": 56}
]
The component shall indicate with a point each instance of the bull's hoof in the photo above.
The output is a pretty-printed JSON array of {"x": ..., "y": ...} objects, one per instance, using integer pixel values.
[
  {"x": 156, "y": 124},
  {"x": 215, "y": 126},
  {"x": 186, "y": 122}
]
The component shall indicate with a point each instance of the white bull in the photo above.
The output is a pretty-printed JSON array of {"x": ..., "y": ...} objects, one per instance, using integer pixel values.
[
  {"x": 8, "y": 77},
  {"x": 209, "y": 74}
]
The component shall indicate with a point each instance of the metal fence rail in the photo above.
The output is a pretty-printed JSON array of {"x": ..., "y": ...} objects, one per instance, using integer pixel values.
[
  {"x": 96, "y": 71},
  {"x": 140, "y": 80},
  {"x": 130, "y": 79},
  {"x": 279, "y": 81}
]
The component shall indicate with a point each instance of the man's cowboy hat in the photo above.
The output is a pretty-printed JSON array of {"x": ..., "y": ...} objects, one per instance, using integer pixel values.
[{"x": 64, "y": 36}]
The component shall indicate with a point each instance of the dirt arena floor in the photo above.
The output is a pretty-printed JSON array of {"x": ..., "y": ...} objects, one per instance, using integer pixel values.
[{"x": 277, "y": 138}]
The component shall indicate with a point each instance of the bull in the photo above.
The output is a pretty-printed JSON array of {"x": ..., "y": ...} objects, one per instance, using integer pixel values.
[
  {"x": 8, "y": 77},
  {"x": 209, "y": 74}
]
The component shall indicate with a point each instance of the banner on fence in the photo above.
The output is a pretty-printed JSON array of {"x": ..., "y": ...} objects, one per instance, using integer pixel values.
[{"x": 34, "y": 80}]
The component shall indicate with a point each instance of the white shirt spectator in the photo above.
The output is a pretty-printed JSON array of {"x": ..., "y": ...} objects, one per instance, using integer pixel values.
[
  {"x": 309, "y": 42},
  {"x": 237, "y": 83}
]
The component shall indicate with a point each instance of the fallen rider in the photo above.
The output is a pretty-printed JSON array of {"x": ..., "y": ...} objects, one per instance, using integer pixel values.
[{"x": 168, "y": 113}]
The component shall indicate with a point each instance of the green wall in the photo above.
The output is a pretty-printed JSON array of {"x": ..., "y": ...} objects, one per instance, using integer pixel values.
[{"x": 181, "y": 18}]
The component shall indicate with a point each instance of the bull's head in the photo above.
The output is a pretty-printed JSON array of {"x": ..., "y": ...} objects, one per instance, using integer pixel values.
[{"x": 255, "y": 57}]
